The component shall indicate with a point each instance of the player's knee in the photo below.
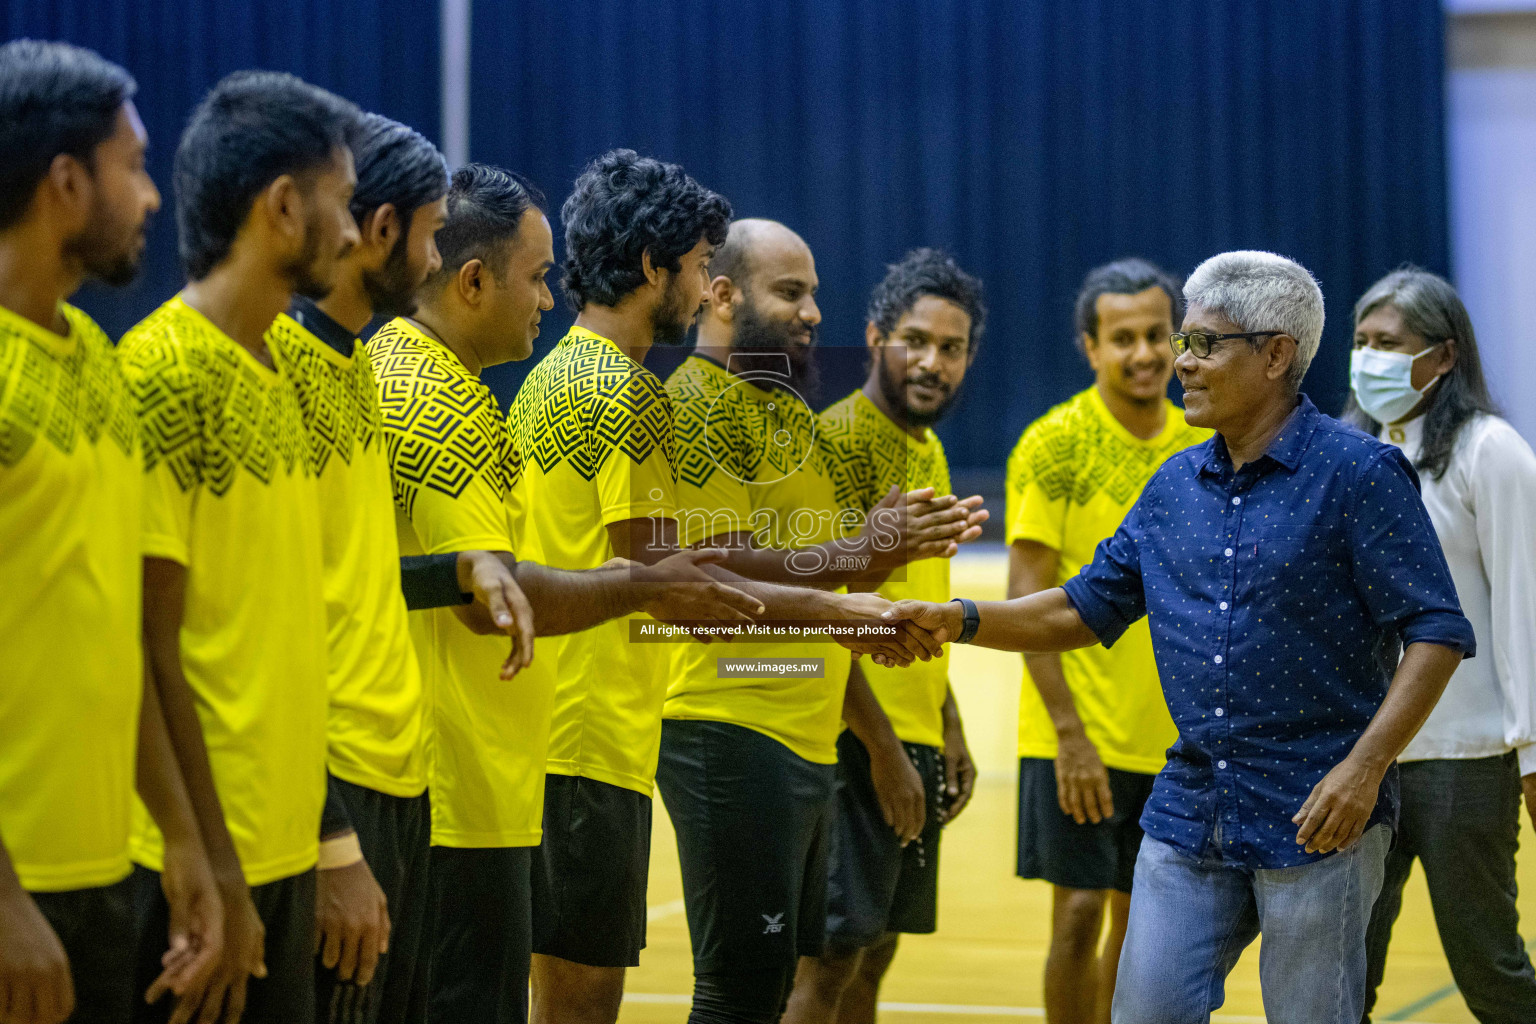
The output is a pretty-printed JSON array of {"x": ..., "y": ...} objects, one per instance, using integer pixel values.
[
  {"x": 1078, "y": 921},
  {"x": 829, "y": 974},
  {"x": 877, "y": 959}
]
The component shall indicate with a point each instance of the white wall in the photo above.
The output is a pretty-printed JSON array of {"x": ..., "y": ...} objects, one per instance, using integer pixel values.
[{"x": 1491, "y": 114}]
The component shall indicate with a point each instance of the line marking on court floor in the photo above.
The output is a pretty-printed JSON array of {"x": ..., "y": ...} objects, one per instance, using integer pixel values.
[
  {"x": 663, "y": 910},
  {"x": 948, "y": 1009}
]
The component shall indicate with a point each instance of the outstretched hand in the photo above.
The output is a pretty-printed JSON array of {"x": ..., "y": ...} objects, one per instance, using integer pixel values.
[
  {"x": 685, "y": 594},
  {"x": 939, "y": 623},
  {"x": 922, "y": 524}
]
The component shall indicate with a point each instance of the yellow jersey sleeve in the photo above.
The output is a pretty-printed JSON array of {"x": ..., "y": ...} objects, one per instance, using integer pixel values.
[
  {"x": 1038, "y": 483},
  {"x": 631, "y": 444}
]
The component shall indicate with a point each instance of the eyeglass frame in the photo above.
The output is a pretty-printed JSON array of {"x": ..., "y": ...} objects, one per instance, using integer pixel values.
[{"x": 1173, "y": 340}]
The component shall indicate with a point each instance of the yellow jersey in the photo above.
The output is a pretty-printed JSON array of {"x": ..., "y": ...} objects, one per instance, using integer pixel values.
[
  {"x": 870, "y": 454},
  {"x": 751, "y": 458},
  {"x": 373, "y": 729},
  {"x": 454, "y": 468},
  {"x": 1071, "y": 479},
  {"x": 594, "y": 431},
  {"x": 71, "y": 662},
  {"x": 229, "y": 495}
]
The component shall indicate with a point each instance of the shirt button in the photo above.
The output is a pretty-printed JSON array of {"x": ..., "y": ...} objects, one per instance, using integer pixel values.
[
  {"x": 1223, "y": 606},
  {"x": 1218, "y": 659},
  {"x": 1220, "y": 712},
  {"x": 1237, "y": 501},
  {"x": 1221, "y": 764},
  {"x": 1228, "y": 552}
]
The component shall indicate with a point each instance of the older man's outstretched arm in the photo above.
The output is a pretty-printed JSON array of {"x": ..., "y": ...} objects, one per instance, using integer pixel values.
[{"x": 1041, "y": 623}]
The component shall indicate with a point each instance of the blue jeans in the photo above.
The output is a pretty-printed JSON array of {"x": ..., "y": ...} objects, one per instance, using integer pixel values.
[{"x": 1191, "y": 920}]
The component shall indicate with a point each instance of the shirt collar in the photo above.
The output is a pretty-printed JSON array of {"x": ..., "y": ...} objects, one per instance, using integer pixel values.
[
  {"x": 1286, "y": 449},
  {"x": 319, "y": 323}
]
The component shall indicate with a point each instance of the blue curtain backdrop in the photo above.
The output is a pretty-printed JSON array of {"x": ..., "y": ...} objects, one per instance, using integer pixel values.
[
  {"x": 383, "y": 54},
  {"x": 1033, "y": 139}
]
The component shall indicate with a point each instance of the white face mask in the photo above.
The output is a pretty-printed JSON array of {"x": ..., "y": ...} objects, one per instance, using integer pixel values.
[{"x": 1383, "y": 382}]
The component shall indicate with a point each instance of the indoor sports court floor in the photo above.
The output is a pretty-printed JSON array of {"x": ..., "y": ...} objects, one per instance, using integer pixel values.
[{"x": 985, "y": 961}]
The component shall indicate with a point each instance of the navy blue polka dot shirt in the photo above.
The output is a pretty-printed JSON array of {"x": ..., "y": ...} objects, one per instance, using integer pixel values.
[{"x": 1279, "y": 598}]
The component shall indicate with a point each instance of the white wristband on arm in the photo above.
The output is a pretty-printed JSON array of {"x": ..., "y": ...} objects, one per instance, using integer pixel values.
[{"x": 341, "y": 852}]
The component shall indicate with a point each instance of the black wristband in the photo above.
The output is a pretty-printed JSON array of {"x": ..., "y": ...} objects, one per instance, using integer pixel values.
[{"x": 972, "y": 620}]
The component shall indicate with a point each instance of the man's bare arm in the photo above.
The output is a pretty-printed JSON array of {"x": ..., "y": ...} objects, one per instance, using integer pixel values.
[
  {"x": 1043, "y": 622},
  {"x": 898, "y": 786},
  {"x": 1082, "y": 781}
]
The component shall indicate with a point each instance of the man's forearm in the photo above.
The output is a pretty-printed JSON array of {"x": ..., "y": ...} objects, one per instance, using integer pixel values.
[
  {"x": 864, "y": 715},
  {"x": 1041, "y": 623},
  {"x": 1416, "y": 687},
  {"x": 568, "y": 601},
  {"x": 158, "y": 776},
  {"x": 780, "y": 602},
  {"x": 164, "y": 590},
  {"x": 1051, "y": 683}
]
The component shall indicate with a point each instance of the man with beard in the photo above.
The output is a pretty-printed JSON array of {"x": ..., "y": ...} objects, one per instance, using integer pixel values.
[
  {"x": 372, "y": 879},
  {"x": 234, "y": 612},
  {"x": 456, "y": 481},
  {"x": 78, "y": 718},
  {"x": 748, "y": 756},
  {"x": 1094, "y": 726},
  {"x": 914, "y": 774},
  {"x": 594, "y": 430}
]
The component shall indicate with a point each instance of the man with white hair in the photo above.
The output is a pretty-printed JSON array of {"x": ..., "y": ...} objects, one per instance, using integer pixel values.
[{"x": 1283, "y": 565}]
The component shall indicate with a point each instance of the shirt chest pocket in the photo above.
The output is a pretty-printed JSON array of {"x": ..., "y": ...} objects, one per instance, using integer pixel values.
[{"x": 1291, "y": 560}]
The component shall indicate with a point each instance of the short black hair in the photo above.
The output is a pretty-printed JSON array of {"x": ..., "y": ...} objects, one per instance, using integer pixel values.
[
  {"x": 1124, "y": 277},
  {"x": 54, "y": 98},
  {"x": 251, "y": 129},
  {"x": 397, "y": 165},
  {"x": 927, "y": 272},
  {"x": 624, "y": 205},
  {"x": 485, "y": 207}
]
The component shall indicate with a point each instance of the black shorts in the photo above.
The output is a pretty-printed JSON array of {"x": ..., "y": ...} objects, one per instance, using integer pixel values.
[
  {"x": 752, "y": 820},
  {"x": 287, "y": 910},
  {"x": 591, "y": 872},
  {"x": 875, "y": 885},
  {"x": 95, "y": 927},
  {"x": 1054, "y": 847},
  {"x": 480, "y": 927},
  {"x": 394, "y": 833}
]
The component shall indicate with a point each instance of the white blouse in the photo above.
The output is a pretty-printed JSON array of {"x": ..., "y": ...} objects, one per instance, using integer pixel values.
[{"x": 1484, "y": 509}]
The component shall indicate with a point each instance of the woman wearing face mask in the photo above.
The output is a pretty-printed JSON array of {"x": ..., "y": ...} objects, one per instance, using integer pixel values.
[{"x": 1418, "y": 383}]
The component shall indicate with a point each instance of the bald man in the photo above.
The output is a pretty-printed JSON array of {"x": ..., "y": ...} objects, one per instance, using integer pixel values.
[{"x": 749, "y": 731}]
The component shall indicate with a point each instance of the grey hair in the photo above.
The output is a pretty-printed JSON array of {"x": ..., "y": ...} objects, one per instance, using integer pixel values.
[{"x": 1260, "y": 291}]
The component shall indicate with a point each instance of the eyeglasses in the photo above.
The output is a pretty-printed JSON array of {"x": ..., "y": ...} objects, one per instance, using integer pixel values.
[{"x": 1201, "y": 343}]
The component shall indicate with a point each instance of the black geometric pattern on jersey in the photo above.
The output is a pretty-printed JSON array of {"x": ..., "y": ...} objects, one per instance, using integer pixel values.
[
  {"x": 584, "y": 402},
  {"x": 726, "y": 425},
  {"x": 61, "y": 398},
  {"x": 204, "y": 410},
  {"x": 871, "y": 454},
  {"x": 1071, "y": 453},
  {"x": 340, "y": 403},
  {"x": 442, "y": 426}
]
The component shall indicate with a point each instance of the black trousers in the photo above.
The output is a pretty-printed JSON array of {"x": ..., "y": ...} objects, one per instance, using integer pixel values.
[
  {"x": 95, "y": 927},
  {"x": 287, "y": 909},
  {"x": 1461, "y": 819},
  {"x": 395, "y": 834},
  {"x": 481, "y": 939}
]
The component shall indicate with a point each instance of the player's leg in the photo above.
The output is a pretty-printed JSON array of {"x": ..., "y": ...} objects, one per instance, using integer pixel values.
[
  {"x": 480, "y": 933},
  {"x": 861, "y": 996},
  {"x": 864, "y": 865},
  {"x": 751, "y": 821},
  {"x": 95, "y": 927},
  {"x": 1109, "y": 957},
  {"x": 590, "y": 879},
  {"x": 1072, "y": 959}
]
